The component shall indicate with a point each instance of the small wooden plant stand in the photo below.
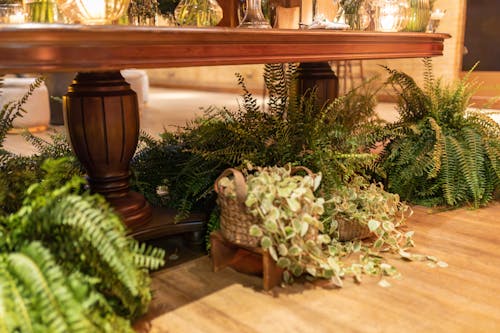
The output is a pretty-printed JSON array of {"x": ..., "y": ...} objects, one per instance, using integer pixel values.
[{"x": 244, "y": 259}]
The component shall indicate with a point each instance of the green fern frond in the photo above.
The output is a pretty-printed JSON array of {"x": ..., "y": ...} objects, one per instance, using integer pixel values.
[
  {"x": 437, "y": 153},
  {"x": 15, "y": 311},
  {"x": 35, "y": 268},
  {"x": 12, "y": 110}
]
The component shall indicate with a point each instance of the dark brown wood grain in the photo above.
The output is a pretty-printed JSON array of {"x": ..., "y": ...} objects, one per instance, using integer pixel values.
[
  {"x": 102, "y": 118},
  {"x": 48, "y": 48}
]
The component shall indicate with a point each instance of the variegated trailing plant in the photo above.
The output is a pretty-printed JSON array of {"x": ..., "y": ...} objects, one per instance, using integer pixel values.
[
  {"x": 440, "y": 152},
  {"x": 298, "y": 228}
]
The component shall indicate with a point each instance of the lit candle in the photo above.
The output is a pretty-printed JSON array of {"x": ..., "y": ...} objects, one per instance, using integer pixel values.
[
  {"x": 438, "y": 14},
  {"x": 388, "y": 17},
  {"x": 16, "y": 18}
]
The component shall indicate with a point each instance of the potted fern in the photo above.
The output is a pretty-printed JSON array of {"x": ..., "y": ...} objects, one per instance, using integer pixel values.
[{"x": 440, "y": 152}]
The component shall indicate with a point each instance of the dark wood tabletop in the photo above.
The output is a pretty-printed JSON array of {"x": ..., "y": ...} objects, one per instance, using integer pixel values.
[{"x": 55, "y": 47}]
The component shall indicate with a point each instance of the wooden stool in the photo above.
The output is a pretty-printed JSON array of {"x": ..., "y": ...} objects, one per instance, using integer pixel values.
[{"x": 248, "y": 260}]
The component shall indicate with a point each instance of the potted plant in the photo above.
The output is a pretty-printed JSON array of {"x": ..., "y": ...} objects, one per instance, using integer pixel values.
[{"x": 440, "y": 152}]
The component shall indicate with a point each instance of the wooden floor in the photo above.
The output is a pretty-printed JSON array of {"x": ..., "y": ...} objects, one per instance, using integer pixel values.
[{"x": 464, "y": 297}]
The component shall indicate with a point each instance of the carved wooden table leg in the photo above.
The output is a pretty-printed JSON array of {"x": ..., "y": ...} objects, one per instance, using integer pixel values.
[
  {"x": 319, "y": 74},
  {"x": 102, "y": 118}
]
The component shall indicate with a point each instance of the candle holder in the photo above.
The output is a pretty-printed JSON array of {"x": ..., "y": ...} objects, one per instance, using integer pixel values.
[
  {"x": 391, "y": 15},
  {"x": 93, "y": 11},
  {"x": 12, "y": 14},
  {"x": 436, "y": 17}
]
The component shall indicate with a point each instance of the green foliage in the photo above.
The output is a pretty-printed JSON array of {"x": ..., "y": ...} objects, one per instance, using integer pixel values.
[
  {"x": 170, "y": 175},
  {"x": 12, "y": 110},
  {"x": 368, "y": 205},
  {"x": 289, "y": 225},
  {"x": 66, "y": 264},
  {"x": 292, "y": 129},
  {"x": 213, "y": 224},
  {"x": 440, "y": 152}
]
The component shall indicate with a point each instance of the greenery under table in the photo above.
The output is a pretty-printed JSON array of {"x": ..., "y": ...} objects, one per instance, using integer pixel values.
[{"x": 102, "y": 115}]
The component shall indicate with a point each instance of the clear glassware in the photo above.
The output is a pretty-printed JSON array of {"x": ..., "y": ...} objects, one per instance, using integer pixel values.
[
  {"x": 355, "y": 13},
  {"x": 93, "y": 11},
  {"x": 143, "y": 12},
  {"x": 436, "y": 17},
  {"x": 254, "y": 17},
  {"x": 418, "y": 15},
  {"x": 199, "y": 13},
  {"x": 12, "y": 14},
  {"x": 391, "y": 15},
  {"x": 41, "y": 11}
]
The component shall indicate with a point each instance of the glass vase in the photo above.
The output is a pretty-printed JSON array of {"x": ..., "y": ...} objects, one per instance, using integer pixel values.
[
  {"x": 419, "y": 15},
  {"x": 254, "y": 17},
  {"x": 356, "y": 13},
  {"x": 391, "y": 15},
  {"x": 92, "y": 12},
  {"x": 41, "y": 11},
  {"x": 199, "y": 13},
  {"x": 142, "y": 12}
]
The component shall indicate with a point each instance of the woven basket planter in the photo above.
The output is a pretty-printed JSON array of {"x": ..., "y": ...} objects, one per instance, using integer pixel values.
[
  {"x": 352, "y": 230},
  {"x": 235, "y": 219}
]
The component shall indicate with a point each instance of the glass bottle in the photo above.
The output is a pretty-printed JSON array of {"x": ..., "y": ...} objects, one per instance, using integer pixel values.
[
  {"x": 199, "y": 13},
  {"x": 254, "y": 18},
  {"x": 419, "y": 15}
]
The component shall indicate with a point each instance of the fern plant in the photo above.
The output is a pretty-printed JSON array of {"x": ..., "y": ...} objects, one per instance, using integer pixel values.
[
  {"x": 440, "y": 152},
  {"x": 66, "y": 264},
  {"x": 292, "y": 129}
]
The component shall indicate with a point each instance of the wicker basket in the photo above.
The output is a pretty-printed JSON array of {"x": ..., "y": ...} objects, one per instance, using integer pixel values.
[
  {"x": 235, "y": 220},
  {"x": 349, "y": 230}
]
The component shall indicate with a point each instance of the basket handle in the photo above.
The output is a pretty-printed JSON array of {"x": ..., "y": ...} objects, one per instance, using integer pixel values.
[
  {"x": 296, "y": 169},
  {"x": 239, "y": 180}
]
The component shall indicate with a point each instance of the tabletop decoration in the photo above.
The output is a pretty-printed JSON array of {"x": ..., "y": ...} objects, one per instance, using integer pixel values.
[
  {"x": 391, "y": 15},
  {"x": 11, "y": 13},
  {"x": 254, "y": 17},
  {"x": 199, "y": 13},
  {"x": 93, "y": 12},
  {"x": 355, "y": 13},
  {"x": 42, "y": 11},
  {"x": 436, "y": 17},
  {"x": 419, "y": 15},
  {"x": 143, "y": 12}
]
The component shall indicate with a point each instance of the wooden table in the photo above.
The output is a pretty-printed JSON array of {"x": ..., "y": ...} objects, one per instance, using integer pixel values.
[{"x": 101, "y": 112}]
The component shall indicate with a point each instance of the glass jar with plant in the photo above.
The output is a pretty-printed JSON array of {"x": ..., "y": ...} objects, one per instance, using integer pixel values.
[
  {"x": 41, "y": 11},
  {"x": 418, "y": 15},
  {"x": 199, "y": 13},
  {"x": 142, "y": 12},
  {"x": 356, "y": 13}
]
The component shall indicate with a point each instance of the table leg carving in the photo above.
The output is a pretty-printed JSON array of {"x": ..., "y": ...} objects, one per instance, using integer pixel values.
[
  {"x": 320, "y": 75},
  {"x": 102, "y": 118}
]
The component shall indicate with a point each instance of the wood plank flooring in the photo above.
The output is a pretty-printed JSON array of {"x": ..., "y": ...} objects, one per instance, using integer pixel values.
[{"x": 464, "y": 297}]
